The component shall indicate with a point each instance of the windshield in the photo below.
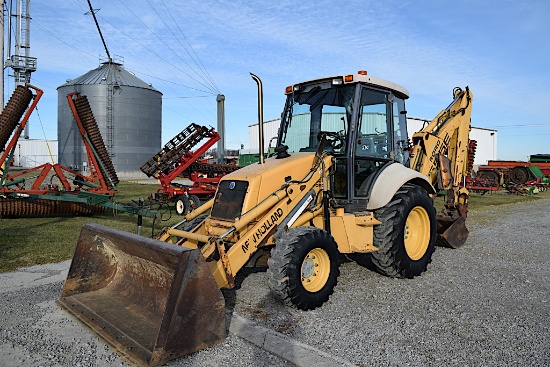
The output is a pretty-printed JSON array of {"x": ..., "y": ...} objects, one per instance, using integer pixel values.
[{"x": 318, "y": 109}]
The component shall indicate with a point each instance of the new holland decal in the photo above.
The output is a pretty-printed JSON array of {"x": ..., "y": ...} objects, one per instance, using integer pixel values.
[{"x": 263, "y": 229}]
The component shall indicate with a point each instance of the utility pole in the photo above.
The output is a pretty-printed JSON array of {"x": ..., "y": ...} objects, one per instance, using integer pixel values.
[
  {"x": 221, "y": 127},
  {"x": 2, "y": 2}
]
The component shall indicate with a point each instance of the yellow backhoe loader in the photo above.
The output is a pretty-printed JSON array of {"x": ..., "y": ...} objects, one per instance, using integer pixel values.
[{"x": 339, "y": 183}]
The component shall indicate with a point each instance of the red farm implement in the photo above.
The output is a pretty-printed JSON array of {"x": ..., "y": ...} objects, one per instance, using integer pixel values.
[
  {"x": 177, "y": 159},
  {"x": 475, "y": 183},
  {"x": 522, "y": 178},
  {"x": 53, "y": 189}
]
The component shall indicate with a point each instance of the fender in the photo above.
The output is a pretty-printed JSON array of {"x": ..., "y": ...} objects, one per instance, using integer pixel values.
[{"x": 390, "y": 180}]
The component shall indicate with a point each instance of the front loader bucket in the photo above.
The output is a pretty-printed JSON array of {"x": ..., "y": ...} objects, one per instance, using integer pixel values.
[{"x": 149, "y": 300}]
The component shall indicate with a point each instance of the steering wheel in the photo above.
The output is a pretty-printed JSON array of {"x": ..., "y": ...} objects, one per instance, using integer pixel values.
[{"x": 333, "y": 139}]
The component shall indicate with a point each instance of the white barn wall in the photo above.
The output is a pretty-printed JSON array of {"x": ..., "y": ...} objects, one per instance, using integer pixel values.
[
  {"x": 486, "y": 145},
  {"x": 34, "y": 152},
  {"x": 271, "y": 128},
  {"x": 486, "y": 139}
]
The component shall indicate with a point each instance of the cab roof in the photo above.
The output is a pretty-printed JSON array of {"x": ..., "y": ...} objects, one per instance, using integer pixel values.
[{"x": 362, "y": 78}]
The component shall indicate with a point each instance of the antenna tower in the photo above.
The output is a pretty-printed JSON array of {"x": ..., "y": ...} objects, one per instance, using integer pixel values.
[{"x": 19, "y": 59}]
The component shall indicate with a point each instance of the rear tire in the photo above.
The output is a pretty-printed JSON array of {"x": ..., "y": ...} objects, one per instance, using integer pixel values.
[
  {"x": 194, "y": 201},
  {"x": 489, "y": 176},
  {"x": 303, "y": 268},
  {"x": 519, "y": 175},
  {"x": 406, "y": 238}
]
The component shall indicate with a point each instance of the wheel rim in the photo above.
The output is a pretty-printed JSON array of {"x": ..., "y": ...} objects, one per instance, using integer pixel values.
[
  {"x": 417, "y": 233},
  {"x": 315, "y": 270},
  {"x": 180, "y": 207}
]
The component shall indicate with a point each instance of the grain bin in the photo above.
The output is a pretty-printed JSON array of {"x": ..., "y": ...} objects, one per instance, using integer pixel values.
[{"x": 128, "y": 112}]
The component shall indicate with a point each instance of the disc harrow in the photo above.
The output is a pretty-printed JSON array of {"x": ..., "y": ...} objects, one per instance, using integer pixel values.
[
  {"x": 89, "y": 124},
  {"x": 211, "y": 169},
  {"x": 30, "y": 207},
  {"x": 173, "y": 151},
  {"x": 12, "y": 113},
  {"x": 52, "y": 189}
]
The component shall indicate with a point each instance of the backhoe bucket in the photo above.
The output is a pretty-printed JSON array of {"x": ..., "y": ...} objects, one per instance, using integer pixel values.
[
  {"x": 149, "y": 300},
  {"x": 453, "y": 234}
]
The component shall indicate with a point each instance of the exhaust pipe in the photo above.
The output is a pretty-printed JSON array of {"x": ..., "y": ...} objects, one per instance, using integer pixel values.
[{"x": 260, "y": 117}]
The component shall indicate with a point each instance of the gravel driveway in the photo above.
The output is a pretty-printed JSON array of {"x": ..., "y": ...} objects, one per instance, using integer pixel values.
[{"x": 485, "y": 304}]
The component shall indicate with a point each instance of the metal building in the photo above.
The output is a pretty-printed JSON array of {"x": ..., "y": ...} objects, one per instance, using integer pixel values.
[
  {"x": 34, "y": 152},
  {"x": 486, "y": 138},
  {"x": 128, "y": 112}
]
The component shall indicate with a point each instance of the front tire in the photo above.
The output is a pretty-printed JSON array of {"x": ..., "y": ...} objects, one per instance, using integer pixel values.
[
  {"x": 182, "y": 205},
  {"x": 303, "y": 268},
  {"x": 406, "y": 238}
]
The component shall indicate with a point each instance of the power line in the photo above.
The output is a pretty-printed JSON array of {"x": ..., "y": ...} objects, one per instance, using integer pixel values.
[
  {"x": 169, "y": 81},
  {"x": 60, "y": 40},
  {"x": 79, "y": 5},
  {"x": 530, "y": 135},
  {"x": 148, "y": 49},
  {"x": 201, "y": 65},
  {"x": 198, "y": 63},
  {"x": 204, "y": 108},
  {"x": 210, "y": 81},
  {"x": 520, "y": 125},
  {"x": 167, "y": 46}
]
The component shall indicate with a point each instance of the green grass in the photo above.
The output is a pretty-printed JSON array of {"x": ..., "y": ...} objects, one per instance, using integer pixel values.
[
  {"x": 478, "y": 201},
  {"x": 32, "y": 241}
]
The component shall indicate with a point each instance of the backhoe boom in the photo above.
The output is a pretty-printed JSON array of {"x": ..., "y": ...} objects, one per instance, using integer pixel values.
[{"x": 440, "y": 151}]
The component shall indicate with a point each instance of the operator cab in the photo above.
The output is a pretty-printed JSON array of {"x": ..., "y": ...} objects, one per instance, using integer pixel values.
[{"x": 364, "y": 121}]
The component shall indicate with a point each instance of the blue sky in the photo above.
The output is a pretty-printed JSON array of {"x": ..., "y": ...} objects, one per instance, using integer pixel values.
[{"x": 500, "y": 49}]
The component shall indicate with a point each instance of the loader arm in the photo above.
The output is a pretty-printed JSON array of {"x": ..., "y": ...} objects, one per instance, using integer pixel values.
[
  {"x": 440, "y": 151},
  {"x": 257, "y": 227}
]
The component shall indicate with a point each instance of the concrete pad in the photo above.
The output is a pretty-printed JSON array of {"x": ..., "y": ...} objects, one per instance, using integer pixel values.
[
  {"x": 57, "y": 324},
  {"x": 300, "y": 354},
  {"x": 34, "y": 276},
  {"x": 13, "y": 355}
]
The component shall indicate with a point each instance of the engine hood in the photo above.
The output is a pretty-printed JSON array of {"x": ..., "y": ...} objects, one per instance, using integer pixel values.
[{"x": 264, "y": 179}]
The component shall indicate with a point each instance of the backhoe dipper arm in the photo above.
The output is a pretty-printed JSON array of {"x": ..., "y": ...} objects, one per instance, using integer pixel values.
[
  {"x": 440, "y": 151},
  {"x": 447, "y": 134}
]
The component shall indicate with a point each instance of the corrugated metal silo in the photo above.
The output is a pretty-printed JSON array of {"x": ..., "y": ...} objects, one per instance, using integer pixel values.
[{"x": 128, "y": 112}]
